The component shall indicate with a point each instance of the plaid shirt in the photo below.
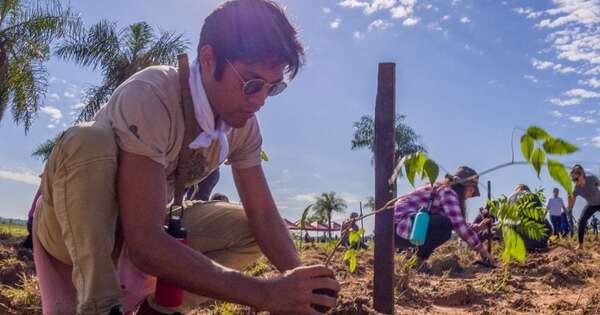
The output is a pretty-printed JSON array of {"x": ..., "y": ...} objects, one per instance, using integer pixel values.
[{"x": 446, "y": 203}]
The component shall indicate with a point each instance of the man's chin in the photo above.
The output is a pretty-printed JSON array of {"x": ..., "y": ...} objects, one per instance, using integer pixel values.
[{"x": 237, "y": 123}]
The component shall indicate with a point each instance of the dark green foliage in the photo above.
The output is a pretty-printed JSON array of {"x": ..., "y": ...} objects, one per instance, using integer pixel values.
[
  {"x": 118, "y": 54},
  {"x": 27, "y": 29},
  {"x": 407, "y": 140},
  {"x": 526, "y": 215}
]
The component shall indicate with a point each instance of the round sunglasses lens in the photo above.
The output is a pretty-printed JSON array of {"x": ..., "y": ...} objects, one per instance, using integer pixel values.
[
  {"x": 253, "y": 86},
  {"x": 277, "y": 88}
]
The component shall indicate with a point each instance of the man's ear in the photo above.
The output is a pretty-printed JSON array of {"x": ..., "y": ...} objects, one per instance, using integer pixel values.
[{"x": 207, "y": 59}]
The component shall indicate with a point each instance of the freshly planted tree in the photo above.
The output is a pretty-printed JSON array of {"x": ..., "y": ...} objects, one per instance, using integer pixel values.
[
  {"x": 407, "y": 140},
  {"x": 119, "y": 54},
  {"x": 523, "y": 217},
  {"x": 327, "y": 203},
  {"x": 27, "y": 29}
]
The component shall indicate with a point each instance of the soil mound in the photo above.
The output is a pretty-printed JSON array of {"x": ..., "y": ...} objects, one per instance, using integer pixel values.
[
  {"x": 446, "y": 263},
  {"x": 464, "y": 295}
]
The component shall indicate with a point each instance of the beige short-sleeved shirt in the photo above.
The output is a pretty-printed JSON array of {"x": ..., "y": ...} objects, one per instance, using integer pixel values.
[{"x": 146, "y": 115}]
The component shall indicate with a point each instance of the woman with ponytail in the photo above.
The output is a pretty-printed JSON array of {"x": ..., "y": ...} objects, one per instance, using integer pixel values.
[{"x": 447, "y": 214}]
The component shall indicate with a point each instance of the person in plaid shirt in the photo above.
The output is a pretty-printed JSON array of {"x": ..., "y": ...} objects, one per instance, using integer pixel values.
[{"x": 447, "y": 213}]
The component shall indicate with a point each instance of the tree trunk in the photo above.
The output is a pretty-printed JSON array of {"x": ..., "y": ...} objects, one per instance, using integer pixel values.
[
  {"x": 329, "y": 219},
  {"x": 3, "y": 76}
]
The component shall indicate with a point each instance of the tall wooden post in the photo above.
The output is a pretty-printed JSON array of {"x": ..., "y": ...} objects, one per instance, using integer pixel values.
[
  {"x": 489, "y": 197},
  {"x": 385, "y": 113}
]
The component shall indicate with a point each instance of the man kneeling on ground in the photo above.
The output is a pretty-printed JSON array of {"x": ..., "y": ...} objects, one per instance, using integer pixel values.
[{"x": 107, "y": 182}]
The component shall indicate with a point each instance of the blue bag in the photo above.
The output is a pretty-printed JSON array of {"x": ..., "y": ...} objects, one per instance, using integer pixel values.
[{"x": 420, "y": 225}]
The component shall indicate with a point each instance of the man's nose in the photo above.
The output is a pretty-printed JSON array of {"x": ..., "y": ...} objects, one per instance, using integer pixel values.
[{"x": 259, "y": 98}]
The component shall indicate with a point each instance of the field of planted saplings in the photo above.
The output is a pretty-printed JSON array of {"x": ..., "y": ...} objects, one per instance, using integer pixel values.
[{"x": 561, "y": 280}]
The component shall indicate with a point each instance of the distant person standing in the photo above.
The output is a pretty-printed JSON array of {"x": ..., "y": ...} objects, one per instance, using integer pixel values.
[
  {"x": 556, "y": 207},
  {"x": 586, "y": 186}
]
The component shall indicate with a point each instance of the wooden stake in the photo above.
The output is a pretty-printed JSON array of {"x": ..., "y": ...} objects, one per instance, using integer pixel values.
[{"x": 385, "y": 113}]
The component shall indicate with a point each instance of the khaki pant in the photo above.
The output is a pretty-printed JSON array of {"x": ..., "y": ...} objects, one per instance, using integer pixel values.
[{"x": 77, "y": 219}]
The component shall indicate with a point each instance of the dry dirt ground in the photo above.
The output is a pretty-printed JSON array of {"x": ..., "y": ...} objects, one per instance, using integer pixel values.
[{"x": 559, "y": 281}]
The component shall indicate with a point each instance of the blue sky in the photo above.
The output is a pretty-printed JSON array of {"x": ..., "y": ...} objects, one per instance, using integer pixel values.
[{"x": 468, "y": 73}]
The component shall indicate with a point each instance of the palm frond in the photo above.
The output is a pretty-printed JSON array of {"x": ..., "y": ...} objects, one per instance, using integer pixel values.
[
  {"x": 27, "y": 80},
  {"x": 166, "y": 48},
  {"x": 94, "y": 47},
  {"x": 43, "y": 150},
  {"x": 137, "y": 37},
  {"x": 94, "y": 97}
]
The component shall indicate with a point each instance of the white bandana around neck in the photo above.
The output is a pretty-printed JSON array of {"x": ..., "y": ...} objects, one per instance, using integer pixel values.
[{"x": 205, "y": 117}]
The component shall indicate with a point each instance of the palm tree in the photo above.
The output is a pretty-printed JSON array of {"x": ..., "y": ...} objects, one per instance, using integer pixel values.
[
  {"x": 119, "y": 54},
  {"x": 27, "y": 29},
  {"x": 407, "y": 140},
  {"x": 327, "y": 203}
]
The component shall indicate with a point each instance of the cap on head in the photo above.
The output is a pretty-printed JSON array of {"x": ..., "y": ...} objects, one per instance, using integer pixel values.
[{"x": 467, "y": 176}]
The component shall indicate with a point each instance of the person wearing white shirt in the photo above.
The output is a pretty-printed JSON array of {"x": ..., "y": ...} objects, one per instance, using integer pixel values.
[{"x": 556, "y": 207}]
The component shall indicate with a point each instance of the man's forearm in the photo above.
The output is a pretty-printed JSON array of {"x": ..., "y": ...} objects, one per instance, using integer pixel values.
[
  {"x": 191, "y": 270},
  {"x": 275, "y": 242}
]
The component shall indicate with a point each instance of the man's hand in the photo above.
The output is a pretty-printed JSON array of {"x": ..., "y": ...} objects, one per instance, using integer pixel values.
[{"x": 292, "y": 292}]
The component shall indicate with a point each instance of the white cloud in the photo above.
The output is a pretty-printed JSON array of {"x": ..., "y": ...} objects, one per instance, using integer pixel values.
[
  {"x": 54, "y": 113},
  {"x": 410, "y": 21},
  {"x": 69, "y": 95},
  {"x": 369, "y": 8},
  {"x": 78, "y": 105},
  {"x": 556, "y": 114},
  {"x": 593, "y": 82},
  {"x": 326, "y": 10},
  {"x": 378, "y": 25},
  {"x": 581, "y": 93},
  {"x": 335, "y": 23},
  {"x": 530, "y": 78},
  {"x": 465, "y": 19},
  {"x": 541, "y": 65},
  {"x": 51, "y": 126},
  {"x": 305, "y": 197},
  {"x": 455, "y": 2},
  {"x": 565, "y": 102},
  {"x": 358, "y": 35},
  {"x": 26, "y": 177},
  {"x": 54, "y": 96},
  {"x": 596, "y": 141},
  {"x": 581, "y": 119},
  {"x": 445, "y": 17}
]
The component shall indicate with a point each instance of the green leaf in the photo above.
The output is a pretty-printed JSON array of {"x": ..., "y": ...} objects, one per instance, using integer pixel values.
[
  {"x": 538, "y": 157},
  {"x": 559, "y": 146},
  {"x": 411, "y": 168},
  {"x": 527, "y": 143},
  {"x": 432, "y": 170},
  {"x": 348, "y": 253},
  {"x": 518, "y": 251},
  {"x": 264, "y": 156},
  {"x": 559, "y": 173},
  {"x": 354, "y": 237},
  {"x": 537, "y": 133},
  {"x": 353, "y": 263}
]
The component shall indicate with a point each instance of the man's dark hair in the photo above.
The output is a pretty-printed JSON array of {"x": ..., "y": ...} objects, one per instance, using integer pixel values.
[{"x": 252, "y": 31}]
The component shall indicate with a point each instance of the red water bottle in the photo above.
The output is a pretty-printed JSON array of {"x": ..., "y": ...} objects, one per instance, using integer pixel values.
[{"x": 167, "y": 294}]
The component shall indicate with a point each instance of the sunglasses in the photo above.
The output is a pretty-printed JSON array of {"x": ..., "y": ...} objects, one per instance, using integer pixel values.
[
  {"x": 575, "y": 178},
  {"x": 253, "y": 86}
]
